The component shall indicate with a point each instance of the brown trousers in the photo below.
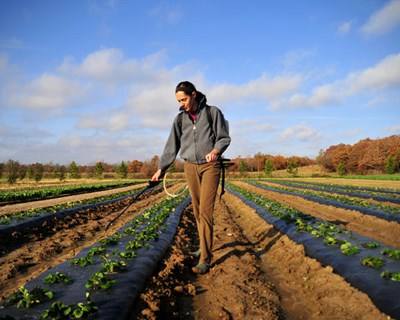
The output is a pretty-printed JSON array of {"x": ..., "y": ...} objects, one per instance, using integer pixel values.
[{"x": 203, "y": 182}]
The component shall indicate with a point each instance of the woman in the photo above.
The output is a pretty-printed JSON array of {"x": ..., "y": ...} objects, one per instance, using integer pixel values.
[{"x": 201, "y": 134}]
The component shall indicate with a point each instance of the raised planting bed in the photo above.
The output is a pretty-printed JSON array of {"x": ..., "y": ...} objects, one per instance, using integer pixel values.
[
  {"x": 379, "y": 210},
  {"x": 364, "y": 263},
  {"x": 103, "y": 280},
  {"x": 16, "y": 196},
  {"x": 15, "y": 224},
  {"x": 378, "y": 196}
]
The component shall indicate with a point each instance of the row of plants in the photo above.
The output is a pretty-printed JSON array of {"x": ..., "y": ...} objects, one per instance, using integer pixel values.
[
  {"x": 329, "y": 233},
  {"x": 22, "y": 215},
  {"x": 109, "y": 259},
  {"x": 22, "y": 195},
  {"x": 335, "y": 197},
  {"x": 380, "y": 196}
]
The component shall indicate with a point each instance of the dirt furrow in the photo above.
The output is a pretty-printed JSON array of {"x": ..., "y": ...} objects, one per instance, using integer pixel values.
[
  {"x": 387, "y": 232},
  {"x": 307, "y": 290},
  {"x": 234, "y": 288},
  {"x": 42, "y": 253}
]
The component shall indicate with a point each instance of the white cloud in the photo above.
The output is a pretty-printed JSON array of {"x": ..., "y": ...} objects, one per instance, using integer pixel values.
[
  {"x": 383, "y": 20},
  {"x": 385, "y": 74},
  {"x": 300, "y": 132},
  {"x": 112, "y": 120},
  {"x": 46, "y": 92},
  {"x": 112, "y": 67},
  {"x": 262, "y": 88},
  {"x": 393, "y": 129},
  {"x": 344, "y": 27}
]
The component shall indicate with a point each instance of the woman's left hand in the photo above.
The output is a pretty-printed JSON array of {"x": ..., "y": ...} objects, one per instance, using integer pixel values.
[{"x": 212, "y": 156}]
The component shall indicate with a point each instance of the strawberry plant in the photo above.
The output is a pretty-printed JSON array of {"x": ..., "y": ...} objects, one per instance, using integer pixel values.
[
  {"x": 373, "y": 262},
  {"x": 59, "y": 310},
  {"x": 24, "y": 298},
  {"x": 371, "y": 245},
  {"x": 57, "y": 277},
  {"x": 394, "y": 276},
  {"x": 349, "y": 249},
  {"x": 392, "y": 253},
  {"x": 82, "y": 262},
  {"x": 111, "y": 266},
  {"x": 99, "y": 280}
]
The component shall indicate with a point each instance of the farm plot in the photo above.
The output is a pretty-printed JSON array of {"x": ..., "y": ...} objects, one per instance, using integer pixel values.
[
  {"x": 44, "y": 250},
  {"x": 366, "y": 264},
  {"x": 259, "y": 269},
  {"x": 390, "y": 212},
  {"x": 17, "y": 227},
  {"x": 257, "y": 273},
  {"x": 115, "y": 267}
]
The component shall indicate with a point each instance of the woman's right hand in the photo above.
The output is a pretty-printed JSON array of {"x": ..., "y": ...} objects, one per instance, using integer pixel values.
[{"x": 156, "y": 176}]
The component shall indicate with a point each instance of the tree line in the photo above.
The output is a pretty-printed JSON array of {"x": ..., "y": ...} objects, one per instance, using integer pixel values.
[
  {"x": 367, "y": 156},
  {"x": 13, "y": 171}
]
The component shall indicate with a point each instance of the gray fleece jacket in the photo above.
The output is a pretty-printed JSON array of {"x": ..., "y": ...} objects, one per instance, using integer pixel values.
[{"x": 195, "y": 140}]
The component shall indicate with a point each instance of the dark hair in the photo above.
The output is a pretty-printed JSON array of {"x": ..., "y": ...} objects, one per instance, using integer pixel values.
[{"x": 188, "y": 88}]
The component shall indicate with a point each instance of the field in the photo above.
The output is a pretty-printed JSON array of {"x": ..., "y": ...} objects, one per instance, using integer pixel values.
[{"x": 301, "y": 248}]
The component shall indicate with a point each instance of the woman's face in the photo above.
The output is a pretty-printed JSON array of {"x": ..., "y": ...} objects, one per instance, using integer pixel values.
[{"x": 186, "y": 102}]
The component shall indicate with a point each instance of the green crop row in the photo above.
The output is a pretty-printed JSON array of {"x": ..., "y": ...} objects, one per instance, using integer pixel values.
[
  {"x": 6, "y": 219},
  {"x": 51, "y": 192},
  {"x": 328, "y": 232},
  {"x": 340, "y": 198},
  {"x": 335, "y": 188},
  {"x": 142, "y": 229}
]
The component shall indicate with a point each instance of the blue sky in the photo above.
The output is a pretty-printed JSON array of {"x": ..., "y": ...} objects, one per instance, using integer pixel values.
[{"x": 94, "y": 80}]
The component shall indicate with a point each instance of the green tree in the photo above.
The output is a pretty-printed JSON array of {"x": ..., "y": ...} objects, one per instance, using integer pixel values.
[
  {"x": 29, "y": 172},
  {"x": 292, "y": 168},
  {"x": 122, "y": 170},
  {"x": 12, "y": 168},
  {"x": 38, "y": 171},
  {"x": 74, "y": 170},
  {"x": 60, "y": 172},
  {"x": 99, "y": 169},
  {"x": 242, "y": 167},
  {"x": 341, "y": 169},
  {"x": 1, "y": 170},
  {"x": 22, "y": 172},
  {"x": 391, "y": 165},
  {"x": 268, "y": 167}
]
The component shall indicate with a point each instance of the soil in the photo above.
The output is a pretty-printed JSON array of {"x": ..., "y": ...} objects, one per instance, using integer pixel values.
[
  {"x": 381, "y": 230},
  {"x": 256, "y": 273},
  {"x": 12, "y": 208},
  {"x": 46, "y": 250}
]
